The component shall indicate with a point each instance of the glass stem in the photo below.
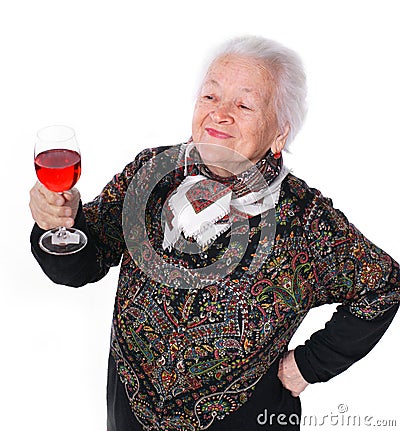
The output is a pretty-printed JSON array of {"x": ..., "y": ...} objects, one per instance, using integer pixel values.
[{"x": 62, "y": 232}]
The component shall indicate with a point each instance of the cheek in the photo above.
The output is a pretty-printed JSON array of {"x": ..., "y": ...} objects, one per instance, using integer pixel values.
[
  {"x": 266, "y": 129},
  {"x": 257, "y": 131},
  {"x": 197, "y": 115},
  {"x": 261, "y": 137}
]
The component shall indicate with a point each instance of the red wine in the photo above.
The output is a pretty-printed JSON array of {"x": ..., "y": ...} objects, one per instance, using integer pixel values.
[{"x": 58, "y": 169}]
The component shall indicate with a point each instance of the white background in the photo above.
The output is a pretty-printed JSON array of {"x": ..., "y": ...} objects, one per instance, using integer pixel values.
[{"x": 124, "y": 77}]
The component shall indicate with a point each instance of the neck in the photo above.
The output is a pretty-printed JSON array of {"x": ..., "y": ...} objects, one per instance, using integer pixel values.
[{"x": 228, "y": 170}]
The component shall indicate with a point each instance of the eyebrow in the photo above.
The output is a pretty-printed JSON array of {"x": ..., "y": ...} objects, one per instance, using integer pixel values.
[{"x": 213, "y": 81}]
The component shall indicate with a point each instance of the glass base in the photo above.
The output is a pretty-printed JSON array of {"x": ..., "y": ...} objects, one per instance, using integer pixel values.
[{"x": 69, "y": 241}]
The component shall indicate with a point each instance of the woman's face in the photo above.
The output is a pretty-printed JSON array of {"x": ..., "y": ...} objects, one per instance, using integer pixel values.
[{"x": 234, "y": 110}]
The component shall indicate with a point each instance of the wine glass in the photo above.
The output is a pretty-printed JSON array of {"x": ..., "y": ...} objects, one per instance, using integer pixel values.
[{"x": 58, "y": 168}]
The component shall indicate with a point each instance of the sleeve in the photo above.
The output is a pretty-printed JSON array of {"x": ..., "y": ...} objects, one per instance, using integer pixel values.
[
  {"x": 101, "y": 220},
  {"x": 344, "y": 340},
  {"x": 71, "y": 270},
  {"x": 352, "y": 271}
]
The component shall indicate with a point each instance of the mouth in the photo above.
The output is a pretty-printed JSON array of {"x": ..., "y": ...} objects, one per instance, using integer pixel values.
[{"x": 217, "y": 134}]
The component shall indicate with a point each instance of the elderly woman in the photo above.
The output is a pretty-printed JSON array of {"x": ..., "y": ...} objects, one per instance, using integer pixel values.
[{"x": 223, "y": 254}]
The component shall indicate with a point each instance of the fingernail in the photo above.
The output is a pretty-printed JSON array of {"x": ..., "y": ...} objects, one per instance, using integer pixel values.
[{"x": 69, "y": 223}]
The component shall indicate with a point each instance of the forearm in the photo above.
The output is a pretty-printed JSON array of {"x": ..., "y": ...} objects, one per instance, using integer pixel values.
[{"x": 344, "y": 340}]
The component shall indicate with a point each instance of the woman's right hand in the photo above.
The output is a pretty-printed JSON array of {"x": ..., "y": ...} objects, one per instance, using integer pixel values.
[{"x": 50, "y": 209}]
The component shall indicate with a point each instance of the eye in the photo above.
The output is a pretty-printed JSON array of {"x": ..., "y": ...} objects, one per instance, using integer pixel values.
[
  {"x": 208, "y": 97},
  {"x": 243, "y": 106}
]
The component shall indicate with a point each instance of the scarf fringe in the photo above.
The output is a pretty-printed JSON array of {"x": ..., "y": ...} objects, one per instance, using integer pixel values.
[{"x": 206, "y": 243}]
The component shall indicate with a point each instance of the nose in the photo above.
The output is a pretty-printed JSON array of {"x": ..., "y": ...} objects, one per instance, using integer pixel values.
[{"x": 221, "y": 114}]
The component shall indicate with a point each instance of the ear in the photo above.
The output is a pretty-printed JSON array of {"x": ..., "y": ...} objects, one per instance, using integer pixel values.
[{"x": 280, "y": 141}]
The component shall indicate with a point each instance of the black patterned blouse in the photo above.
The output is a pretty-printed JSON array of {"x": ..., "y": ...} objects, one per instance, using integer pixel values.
[{"x": 192, "y": 356}]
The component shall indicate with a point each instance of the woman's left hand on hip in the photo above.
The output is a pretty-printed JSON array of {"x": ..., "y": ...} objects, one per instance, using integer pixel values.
[{"x": 289, "y": 374}]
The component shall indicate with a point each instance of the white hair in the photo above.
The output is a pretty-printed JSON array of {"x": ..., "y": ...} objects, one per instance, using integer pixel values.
[{"x": 287, "y": 71}]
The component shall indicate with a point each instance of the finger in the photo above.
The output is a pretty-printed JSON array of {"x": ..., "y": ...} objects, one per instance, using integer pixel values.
[
  {"x": 71, "y": 194},
  {"x": 52, "y": 198},
  {"x": 40, "y": 204},
  {"x": 56, "y": 212},
  {"x": 68, "y": 195},
  {"x": 47, "y": 222},
  {"x": 47, "y": 219},
  {"x": 280, "y": 369},
  {"x": 47, "y": 215}
]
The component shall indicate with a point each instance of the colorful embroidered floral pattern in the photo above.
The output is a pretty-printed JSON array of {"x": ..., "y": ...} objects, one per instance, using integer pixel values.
[{"x": 190, "y": 356}]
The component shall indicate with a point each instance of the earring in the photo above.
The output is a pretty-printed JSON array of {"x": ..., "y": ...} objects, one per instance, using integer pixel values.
[{"x": 277, "y": 155}]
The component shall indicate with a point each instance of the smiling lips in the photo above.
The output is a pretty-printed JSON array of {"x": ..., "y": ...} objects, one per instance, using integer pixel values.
[{"x": 217, "y": 134}]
